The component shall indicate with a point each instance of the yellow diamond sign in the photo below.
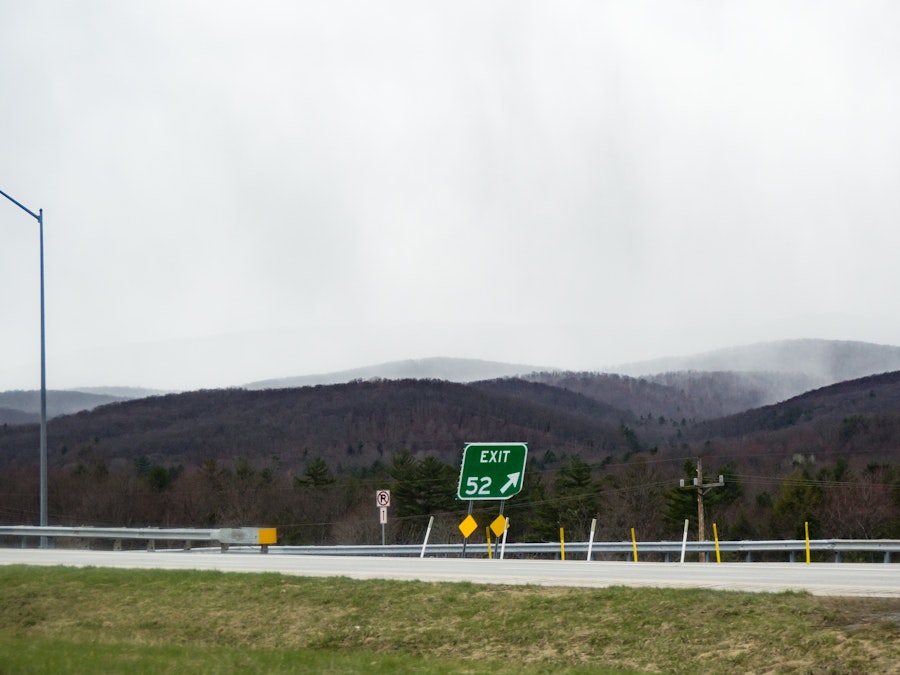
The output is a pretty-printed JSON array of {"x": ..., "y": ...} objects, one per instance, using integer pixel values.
[
  {"x": 468, "y": 526},
  {"x": 498, "y": 526}
]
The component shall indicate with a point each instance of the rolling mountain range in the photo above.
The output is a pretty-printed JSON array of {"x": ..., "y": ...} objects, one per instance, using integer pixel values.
[
  {"x": 822, "y": 361},
  {"x": 438, "y": 368},
  {"x": 713, "y": 384},
  {"x": 355, "y": 424}
]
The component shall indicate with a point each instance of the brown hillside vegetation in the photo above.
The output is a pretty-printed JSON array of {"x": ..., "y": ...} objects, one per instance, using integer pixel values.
[
  {"x": 349, "y": 424},
  {"x": 876, "y": 397},
  {"x": 306, "y": 460}
]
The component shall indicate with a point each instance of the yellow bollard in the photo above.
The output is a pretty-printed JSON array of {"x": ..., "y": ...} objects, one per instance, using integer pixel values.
[
  {"x": 806, "y": 524},
  {"x": 716, "y": 537},
  {"x": 562, "y": 544},
  {"x": 634, "y": 544}
]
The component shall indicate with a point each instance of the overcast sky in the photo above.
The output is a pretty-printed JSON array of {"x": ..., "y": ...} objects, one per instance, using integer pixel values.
[{"x": 239, "y": 191}]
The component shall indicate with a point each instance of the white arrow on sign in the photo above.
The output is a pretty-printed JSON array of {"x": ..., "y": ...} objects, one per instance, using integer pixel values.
[{"x": 512, "y": 482}]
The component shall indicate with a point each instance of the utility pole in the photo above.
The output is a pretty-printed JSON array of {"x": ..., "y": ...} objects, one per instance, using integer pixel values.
[{"x": 701, "y": 488}]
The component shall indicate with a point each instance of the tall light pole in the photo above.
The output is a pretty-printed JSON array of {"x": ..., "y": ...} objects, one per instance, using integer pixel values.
[{"x": 39, "y": 216}]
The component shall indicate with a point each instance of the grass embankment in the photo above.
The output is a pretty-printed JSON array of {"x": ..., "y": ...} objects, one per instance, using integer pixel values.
[{"x": 99, "y": 620}]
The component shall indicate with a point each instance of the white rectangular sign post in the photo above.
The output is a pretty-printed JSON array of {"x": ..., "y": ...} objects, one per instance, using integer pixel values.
[{"x": 383, "y": 500}]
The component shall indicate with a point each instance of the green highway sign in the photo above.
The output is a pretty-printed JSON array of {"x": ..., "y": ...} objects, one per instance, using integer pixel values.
[{"x": 492, "y": 470}]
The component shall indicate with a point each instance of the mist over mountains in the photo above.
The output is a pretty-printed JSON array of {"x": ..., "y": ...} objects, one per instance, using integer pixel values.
[
  {"x": 822, "y": 361},
  {"x": 436, "y": 368},
  {"x": 701, "y": 386}
]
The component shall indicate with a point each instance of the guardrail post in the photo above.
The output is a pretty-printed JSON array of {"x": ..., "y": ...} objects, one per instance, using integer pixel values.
[
  {"x": 887, "y": 556},
  {"x": 117, "y": 545},
  {"x": 151, "y": 544},
  {"x": 793, "y": 557},
  {"x": 838, "y": 557}
]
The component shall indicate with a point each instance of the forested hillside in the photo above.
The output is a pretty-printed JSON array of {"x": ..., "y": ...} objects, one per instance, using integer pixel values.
[
  {"x": 308, "y": 460},
  {"x": 351, "y": 425},
  {"x": 829, "y": 409},
  {"x": 688, "y": 395}
]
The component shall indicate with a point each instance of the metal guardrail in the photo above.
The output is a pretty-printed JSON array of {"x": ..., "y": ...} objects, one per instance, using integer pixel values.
[
  {"x": 253, "y": 536},
  {"x": 226, "y": 536},
  {"x": 670, "y": 549}
]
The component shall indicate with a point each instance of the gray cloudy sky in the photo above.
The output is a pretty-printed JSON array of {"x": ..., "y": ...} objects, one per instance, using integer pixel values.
[{"x": 237, "y": 191}]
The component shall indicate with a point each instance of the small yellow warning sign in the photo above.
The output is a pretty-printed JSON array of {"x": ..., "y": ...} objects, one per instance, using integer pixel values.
[
  {"x": 468, "y": 526},
  {"x": 498, "y": 527}
]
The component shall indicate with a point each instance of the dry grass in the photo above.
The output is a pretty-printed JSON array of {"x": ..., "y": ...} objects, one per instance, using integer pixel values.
[{"x": 450, "y": 627}]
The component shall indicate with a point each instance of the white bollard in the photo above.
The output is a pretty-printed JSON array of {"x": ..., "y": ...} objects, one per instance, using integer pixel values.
[
  {"x": 503, "y": 544},
  {"x": 427, "y": 534},
  {"x": 591, "y": 542}
]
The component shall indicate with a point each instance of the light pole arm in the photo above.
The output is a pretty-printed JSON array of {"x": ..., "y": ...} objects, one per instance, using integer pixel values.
[{"x": 37, "y": 216}]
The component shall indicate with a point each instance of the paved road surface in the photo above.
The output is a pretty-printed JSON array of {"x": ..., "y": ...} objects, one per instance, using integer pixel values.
[{"x": 879, "y": 579}]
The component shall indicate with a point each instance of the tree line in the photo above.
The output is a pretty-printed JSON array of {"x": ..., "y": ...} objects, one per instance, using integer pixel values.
[{"x": 841, "y": 498}]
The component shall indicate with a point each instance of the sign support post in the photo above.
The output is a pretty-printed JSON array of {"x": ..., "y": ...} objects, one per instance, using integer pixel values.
[
  {"x": 497, "y": 542},
  {"x": 466, "y": 540},
  {"x": 383, "y": 501}
]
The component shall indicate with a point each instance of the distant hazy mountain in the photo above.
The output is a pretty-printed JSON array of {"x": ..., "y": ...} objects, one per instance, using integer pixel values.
[
  {"x": 16, "y": 416},
  {"x": 438, "y": 368},
  {"x": 822, "y": 361},
  {"x": 22, "y": 407},
  {"x": 719, "y": 393},
  {"x": 125, "y": 393},
  {"x": 702, "y": 386},
  {"x": 728, "y": 381}
]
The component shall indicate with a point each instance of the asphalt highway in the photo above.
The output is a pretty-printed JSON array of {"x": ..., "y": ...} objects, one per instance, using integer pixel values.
[{"x": 840, "y": 579}]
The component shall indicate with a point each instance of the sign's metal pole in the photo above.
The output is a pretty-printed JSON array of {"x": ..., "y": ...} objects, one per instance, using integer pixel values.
[
  {"x": 497, "y": 543},
  {"x": 466, "y": 540}
]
